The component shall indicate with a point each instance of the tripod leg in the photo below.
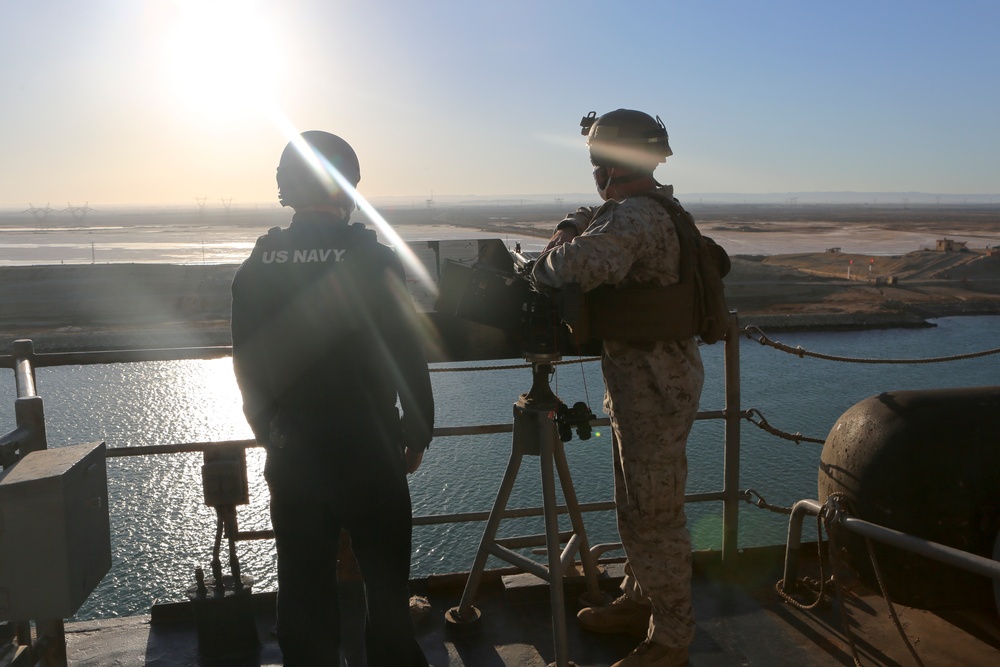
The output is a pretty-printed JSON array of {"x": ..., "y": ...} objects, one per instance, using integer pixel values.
[
  {"x": 588, "y": 559},
  {"x": 547, "y": 438},
  {"x": 490, "y": 532}
]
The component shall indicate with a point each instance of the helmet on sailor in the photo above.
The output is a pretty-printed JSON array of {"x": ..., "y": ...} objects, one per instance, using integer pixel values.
[
  {"x": 313, "y": 169},
  {"x": 626, "y": 138}
]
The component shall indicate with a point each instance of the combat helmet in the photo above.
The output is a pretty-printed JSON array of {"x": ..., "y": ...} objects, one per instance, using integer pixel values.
[
  {"x": 626, "y": 138},
  {"x": 304, "y": 174}
]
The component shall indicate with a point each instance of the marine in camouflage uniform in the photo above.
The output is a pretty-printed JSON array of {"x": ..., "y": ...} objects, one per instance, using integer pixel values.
[{"x": 652, "y": 395}]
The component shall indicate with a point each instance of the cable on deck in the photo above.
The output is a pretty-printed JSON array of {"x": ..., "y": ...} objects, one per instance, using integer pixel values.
[{"x": 827, "y": 517}]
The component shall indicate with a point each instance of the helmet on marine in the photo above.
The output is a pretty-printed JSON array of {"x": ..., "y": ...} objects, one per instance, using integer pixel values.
[
  {"x": 626, "y": 138},
  {"x": 309, "y": 167}
]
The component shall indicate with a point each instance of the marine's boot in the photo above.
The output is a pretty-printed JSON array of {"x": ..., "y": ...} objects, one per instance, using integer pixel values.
[
  {"x": 622, "y": 615},
  {"x": 650, "y": 654}
]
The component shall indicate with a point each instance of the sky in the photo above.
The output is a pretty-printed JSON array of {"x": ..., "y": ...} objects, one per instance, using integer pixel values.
[{"x": 158, "y": 102}]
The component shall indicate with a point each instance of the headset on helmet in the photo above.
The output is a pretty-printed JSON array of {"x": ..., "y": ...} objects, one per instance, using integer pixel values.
[
  {"x": 626, "y": 138},
  {"x": 303, "y": 175}
]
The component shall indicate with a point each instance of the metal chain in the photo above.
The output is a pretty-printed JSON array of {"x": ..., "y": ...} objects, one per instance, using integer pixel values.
[
  {"x": 763, "y": 424},
  {"x": 763, "y": 504},
  {"x": 461, "y": 369},
  {"x": 823, "y": 582},
  {"x": 798, "y": 351}
]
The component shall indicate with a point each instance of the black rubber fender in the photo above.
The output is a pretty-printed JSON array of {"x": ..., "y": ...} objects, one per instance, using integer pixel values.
[{"x": 926, "y": 463}]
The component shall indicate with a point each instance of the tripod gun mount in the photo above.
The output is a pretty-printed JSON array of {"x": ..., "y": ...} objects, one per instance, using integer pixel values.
[
  {"x": 536, "y": 432},
  {"x": 496, "y": 291}
]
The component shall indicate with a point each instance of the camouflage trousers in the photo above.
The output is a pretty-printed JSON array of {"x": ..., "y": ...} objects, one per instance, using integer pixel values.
[{"x": 650, "y": 467}]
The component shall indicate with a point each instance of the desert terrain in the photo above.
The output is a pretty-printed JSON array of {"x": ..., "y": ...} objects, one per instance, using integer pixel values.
[{"x": 834, "y": 267}]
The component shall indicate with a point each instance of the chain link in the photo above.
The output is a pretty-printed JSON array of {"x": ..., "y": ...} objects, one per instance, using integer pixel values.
[{"x": 749, "y": 494}]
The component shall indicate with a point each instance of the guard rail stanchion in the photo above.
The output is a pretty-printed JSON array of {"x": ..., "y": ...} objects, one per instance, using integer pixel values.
[{"x": 733, "y": 418}]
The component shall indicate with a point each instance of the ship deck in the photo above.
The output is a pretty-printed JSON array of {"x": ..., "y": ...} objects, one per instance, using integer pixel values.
[{"x": 741, "y": 620}]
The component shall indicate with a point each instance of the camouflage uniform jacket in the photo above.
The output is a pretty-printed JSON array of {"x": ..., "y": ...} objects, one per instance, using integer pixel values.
[{"x": 632, "y": 242}]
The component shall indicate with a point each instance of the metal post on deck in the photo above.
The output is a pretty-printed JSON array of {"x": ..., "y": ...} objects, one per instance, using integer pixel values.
[{"x": 733, "y": 419}]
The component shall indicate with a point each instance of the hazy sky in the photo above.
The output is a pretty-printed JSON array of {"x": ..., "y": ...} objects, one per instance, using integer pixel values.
[{"x": 160, "y": 102}]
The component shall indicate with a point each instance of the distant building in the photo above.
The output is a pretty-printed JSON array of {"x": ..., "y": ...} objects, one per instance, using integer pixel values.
[
  {"x": 837, "y": 249},
  {"x": 950, "y": 245}
]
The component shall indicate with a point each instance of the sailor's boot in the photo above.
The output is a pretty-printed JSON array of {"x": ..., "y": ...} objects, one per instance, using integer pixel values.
[{"x": 621, "y": 616}]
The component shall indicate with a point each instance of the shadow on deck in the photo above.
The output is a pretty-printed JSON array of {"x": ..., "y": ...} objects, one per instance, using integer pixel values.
[{"x": 741, "y": 621}]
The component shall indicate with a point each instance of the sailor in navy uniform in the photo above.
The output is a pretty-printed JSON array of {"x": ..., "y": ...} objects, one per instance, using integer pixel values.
[{"x": 325, "y": 340}]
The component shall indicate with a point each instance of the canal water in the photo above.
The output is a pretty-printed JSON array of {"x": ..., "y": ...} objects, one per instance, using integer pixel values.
[{"x": 161, "y": 529}]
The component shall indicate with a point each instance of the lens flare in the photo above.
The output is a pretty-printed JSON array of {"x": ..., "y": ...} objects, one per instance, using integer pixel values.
[
  {"x": 327, "y": 172},
  {"x": 331, "y": 176}
]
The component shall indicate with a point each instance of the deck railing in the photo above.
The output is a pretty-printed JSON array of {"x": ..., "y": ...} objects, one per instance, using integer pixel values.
[{"x": 29, "y": 435}]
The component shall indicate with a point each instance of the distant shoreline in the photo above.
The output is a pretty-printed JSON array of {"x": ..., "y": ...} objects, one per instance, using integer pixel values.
[
  {"x": 127, "y": 306},
  {"x": 179, "y": 236},
  {"x": 162, "y": 279}
]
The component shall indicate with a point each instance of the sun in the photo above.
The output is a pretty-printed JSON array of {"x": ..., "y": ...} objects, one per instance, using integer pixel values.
[{"x": 221, "y": 59}]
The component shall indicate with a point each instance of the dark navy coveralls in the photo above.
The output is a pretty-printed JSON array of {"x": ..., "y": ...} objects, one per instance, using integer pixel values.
[{"x": 324, "y": 341}]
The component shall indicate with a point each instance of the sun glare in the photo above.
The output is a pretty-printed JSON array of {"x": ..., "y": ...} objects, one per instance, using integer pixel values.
[
  {"x": 328, "y": 172},
  {"x": 221, "y": 59}
]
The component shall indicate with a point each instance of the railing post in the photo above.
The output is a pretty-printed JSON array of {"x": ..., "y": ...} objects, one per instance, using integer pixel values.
[
  {"x": 28, "y": 411},
  {"x": 24, "y": 370},
  {"x": 731, "y": 471},
  {"x": 30, "y": 417}
]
